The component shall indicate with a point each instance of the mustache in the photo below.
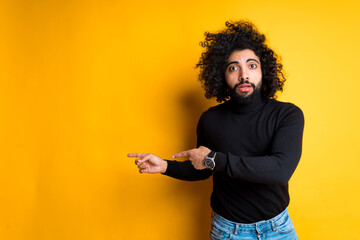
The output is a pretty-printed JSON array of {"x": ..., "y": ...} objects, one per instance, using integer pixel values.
[{"x": 243, "y": 82}]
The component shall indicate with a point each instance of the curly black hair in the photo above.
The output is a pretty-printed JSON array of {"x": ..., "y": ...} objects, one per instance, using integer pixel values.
[{"x": 219, "y": 46}]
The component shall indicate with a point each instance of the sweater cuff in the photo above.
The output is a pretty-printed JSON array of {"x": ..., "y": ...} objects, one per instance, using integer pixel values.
[
  {"x": 171, "y": 165},
  {"x": 220, "y": 161}
]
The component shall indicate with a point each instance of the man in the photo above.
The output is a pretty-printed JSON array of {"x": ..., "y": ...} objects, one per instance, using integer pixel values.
[{"x": 250, "y": 144}]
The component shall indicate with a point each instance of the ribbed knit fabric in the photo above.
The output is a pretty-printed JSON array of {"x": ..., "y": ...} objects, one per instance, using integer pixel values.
[{"x": 258, "y": 147}]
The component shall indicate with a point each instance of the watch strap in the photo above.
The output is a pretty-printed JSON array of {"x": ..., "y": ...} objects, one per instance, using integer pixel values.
[{"x": 211, "y": 154}]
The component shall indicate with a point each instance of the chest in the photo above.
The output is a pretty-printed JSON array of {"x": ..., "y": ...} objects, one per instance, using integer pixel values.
[{"x": 249, "y": 135}]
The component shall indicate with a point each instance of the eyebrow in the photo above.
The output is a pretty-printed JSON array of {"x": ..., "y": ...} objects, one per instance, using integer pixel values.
[{"x": 248, "y": 60}]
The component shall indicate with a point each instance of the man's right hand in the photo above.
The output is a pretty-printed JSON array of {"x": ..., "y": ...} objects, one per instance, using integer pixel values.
[{"x": 149, "y": 163}]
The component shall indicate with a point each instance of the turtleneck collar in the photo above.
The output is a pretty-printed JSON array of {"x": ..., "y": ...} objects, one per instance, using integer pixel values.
[{"x": 256, "y": 104}]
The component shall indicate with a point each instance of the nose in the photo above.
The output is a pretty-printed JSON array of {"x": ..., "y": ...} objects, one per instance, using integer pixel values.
[{"x": 243, "y": 76}]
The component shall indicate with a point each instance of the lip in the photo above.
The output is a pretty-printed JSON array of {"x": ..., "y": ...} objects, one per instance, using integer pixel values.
[{"x": 244, "y": 87}]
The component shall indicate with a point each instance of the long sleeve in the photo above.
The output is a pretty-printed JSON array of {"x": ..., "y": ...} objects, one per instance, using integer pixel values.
[
  {"x": 185, "y": 171},
  {"x": 278, "y": 165}
]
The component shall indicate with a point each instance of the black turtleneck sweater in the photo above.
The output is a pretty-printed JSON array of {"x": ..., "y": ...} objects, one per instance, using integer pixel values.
[{"x": 258, "y": 147}]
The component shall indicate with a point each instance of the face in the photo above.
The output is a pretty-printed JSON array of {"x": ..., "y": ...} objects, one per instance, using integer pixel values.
[{"x": 243, "y": 72}]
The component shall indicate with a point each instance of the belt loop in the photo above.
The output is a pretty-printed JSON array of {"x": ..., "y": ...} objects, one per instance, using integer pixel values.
[
  {"x": 236, "y": 229},
  {"x": 273, "y": 224}
]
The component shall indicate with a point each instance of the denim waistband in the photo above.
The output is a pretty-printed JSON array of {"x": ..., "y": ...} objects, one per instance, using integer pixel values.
[{"x": 259, "y": 227}]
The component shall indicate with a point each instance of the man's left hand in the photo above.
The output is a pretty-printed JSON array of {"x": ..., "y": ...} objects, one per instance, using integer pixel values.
[{"x": 196, "y": 156}]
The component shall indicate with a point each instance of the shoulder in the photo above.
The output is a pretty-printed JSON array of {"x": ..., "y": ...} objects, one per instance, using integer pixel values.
[
  {"x": 283, "y": 107},
  {"x": 286, "y": 111},
  {"x": 214, "y": 115},
  {"x": 217, "y": 110}
]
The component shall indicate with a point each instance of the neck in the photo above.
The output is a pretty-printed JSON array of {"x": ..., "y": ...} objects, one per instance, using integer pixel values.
[{"x": 255, "y": 104}]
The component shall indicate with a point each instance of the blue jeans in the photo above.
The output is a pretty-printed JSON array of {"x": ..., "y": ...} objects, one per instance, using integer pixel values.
[{"x": 279, "y": 227}]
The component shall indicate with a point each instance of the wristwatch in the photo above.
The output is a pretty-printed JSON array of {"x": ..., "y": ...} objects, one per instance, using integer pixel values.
[{"x": 209, "y": 161}]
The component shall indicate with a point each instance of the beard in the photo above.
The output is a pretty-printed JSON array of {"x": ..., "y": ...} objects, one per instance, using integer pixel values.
[{"x": 239, "y": 99}]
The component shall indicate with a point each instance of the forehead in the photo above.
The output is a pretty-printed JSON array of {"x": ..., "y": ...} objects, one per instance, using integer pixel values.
[{"x": 242, "y": 55}]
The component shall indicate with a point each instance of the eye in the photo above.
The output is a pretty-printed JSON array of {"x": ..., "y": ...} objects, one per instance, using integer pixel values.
[
  {"x": 253, "y": 65},
  {"x": 233, "y": 68}
]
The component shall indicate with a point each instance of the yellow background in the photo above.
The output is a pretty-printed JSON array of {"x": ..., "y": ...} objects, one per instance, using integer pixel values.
[{"x": 85, "y": 82}]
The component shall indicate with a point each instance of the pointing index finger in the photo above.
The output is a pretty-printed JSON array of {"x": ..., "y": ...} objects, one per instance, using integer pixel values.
[
  {"x": 137, "y": 155},
  {"x": 182, "y": 154}
]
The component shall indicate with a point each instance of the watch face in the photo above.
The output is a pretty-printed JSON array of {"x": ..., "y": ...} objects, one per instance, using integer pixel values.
[{"x": 209, "y": 163}]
